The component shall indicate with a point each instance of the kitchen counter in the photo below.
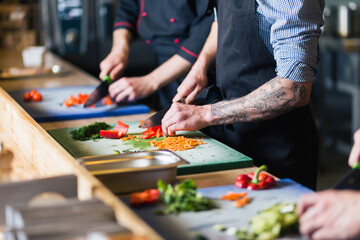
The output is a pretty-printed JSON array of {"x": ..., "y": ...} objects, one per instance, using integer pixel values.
[{"x": 30, "y": 152}]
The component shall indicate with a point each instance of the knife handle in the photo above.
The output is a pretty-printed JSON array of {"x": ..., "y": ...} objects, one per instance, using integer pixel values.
[{"x": 107, "y": 79}]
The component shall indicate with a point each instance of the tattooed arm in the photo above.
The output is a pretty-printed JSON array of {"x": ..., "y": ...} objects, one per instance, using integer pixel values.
[{"x": 272, "y": 99}]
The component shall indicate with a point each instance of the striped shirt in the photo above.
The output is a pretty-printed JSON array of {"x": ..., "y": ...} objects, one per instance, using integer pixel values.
[{"x": 290, "y": 30}]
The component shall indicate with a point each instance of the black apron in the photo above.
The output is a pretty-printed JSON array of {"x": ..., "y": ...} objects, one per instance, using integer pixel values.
[{"x": 288, "y": 144}]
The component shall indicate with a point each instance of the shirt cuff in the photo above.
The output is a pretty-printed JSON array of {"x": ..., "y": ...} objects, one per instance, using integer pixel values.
[
  {"x": 188, "y": 54},
  {"x": 126, "y": 25},
  {"x": 296, "y": 71}
]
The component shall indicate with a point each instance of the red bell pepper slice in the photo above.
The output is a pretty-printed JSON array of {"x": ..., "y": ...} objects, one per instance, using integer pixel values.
[
  {"x": 152, "y": 132},
  {"x": 255, "y": 181},
  {"x": 119, "y": 131},
  {"x": 144, "y": 197},
  {"x": 110, "y": 134},
  {"x": 121, "y": 127}
]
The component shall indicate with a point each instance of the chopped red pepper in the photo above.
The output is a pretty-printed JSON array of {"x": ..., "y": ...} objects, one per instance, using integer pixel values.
[
  {"x": 119, "y": 131},
  {"x": 110, "y": 134},
  {"x": 255, "y": 181},
  {"x": 107, "y": 101},
  {"x": 144, "y": 197},
  {"x": 152, "y": 132}
]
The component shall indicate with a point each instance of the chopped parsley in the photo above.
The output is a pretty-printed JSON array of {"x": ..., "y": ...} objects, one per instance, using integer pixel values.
[{"x": 89, "y": 132}]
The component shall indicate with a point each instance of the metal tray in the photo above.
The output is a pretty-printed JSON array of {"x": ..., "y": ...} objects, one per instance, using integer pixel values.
[{"x": 124, "y": 173}]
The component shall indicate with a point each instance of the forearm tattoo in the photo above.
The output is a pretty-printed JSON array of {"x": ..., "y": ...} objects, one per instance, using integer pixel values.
[{"x": 268, "y": 101}]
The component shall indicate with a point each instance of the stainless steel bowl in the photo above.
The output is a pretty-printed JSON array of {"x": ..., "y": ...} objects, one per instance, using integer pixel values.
[{"x": 123, "y": 173}]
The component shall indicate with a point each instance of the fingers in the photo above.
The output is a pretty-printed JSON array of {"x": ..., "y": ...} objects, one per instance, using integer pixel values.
[
  {"x": 118, "y": 90},
  {"x": 306, "y": 201},
  {"x": 116, "y": 71},
  {"x": 355, "y": 150}
]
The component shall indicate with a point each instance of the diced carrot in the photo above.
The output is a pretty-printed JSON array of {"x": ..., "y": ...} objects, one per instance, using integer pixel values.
[
  {"x": 231, "y": 196},
  {"x": 241, "y": 202}
]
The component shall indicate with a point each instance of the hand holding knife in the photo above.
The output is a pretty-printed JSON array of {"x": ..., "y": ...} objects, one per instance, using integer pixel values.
[{"x": 100, "y": 91}]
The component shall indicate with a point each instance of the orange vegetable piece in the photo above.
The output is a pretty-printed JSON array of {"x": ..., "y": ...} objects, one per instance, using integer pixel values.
[
  {"x": 107, "y": 101},
  {"x": 231, "y": 196},
  {"x": 241, "y": 202}
]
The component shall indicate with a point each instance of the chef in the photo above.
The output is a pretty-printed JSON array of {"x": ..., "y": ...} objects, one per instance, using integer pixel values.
[
  {"x": 266, "y": 53},
  {"x": 175, "y": 30}
]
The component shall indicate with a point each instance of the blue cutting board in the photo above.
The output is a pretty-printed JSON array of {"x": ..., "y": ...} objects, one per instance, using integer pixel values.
[
  {"x": 184, "y": 226},
  {"x": 51, "y": 108}
]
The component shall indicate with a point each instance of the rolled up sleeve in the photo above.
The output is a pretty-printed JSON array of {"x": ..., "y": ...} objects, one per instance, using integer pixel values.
[{"x": 294, "y": 35}]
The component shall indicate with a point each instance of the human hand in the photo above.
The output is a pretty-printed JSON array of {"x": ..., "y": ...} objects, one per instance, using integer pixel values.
[
  {"x": 114, "y": 64},
  {"x": 131, "y": 88},
  {"x": 355, "y": 151},
  {"x": 330, "y": 214},
  {"x": 185, "y": 117},
  {"x": 192, "y": 84}
]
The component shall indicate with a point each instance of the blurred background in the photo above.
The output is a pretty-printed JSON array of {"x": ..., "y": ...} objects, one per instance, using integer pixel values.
[{"x": 80, "y": 31}]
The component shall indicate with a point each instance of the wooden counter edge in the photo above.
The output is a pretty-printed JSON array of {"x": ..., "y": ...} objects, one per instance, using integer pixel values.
[{"x": 51, "y": 159}]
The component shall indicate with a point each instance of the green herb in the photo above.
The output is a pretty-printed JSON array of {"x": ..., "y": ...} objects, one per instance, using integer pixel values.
[
  {"x": 89, "y": 132},
  {"x": 182, "y": 198}
]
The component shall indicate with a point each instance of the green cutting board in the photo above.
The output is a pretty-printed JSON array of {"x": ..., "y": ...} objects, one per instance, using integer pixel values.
[{"x": 212, "y": 156}]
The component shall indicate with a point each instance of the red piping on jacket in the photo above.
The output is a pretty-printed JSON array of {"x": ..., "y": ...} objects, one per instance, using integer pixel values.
[
  {"x": 189, "y": 52},
  {"x": 124, "y": 24},
  {"x": 142, "y": 4}
]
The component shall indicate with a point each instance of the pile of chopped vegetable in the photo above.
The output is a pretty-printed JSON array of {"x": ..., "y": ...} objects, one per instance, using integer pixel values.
[
  {"x": 271, "y": 223},
  {"x": 89, "y": 132},
  {"x": 177, "y": 143},
  {"x": 184, "y": 197}
]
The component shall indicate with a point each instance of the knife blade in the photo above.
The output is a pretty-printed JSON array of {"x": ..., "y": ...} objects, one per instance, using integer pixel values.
[
  {"x": 351, "y": 180},
  {"x": 155, "y": 119},
  {"x": 100, "y": 91}
]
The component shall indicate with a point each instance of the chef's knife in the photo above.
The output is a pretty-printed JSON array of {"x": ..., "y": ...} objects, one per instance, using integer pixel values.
[
  {"x": 100, "y": 91},
  {"x": 155, "y": 119},
  {"x": 351, "y": 180}
]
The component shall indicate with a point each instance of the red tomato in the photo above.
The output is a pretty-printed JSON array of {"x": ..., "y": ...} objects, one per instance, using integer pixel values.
[
  {"x": 32, "y": 92},
  {"x": 37, "y": 97},
  {"x": 27, "y": 97}
]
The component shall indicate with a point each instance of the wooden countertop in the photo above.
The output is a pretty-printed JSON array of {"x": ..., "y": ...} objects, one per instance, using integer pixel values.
[{"x": 29, "y": 149}]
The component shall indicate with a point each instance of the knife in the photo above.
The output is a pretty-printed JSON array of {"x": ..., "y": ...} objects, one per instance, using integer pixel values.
[
  {"x": 351, "y": 180},
  {"x": 155, "y": 119},
  {"x": 100, "y": 91}
]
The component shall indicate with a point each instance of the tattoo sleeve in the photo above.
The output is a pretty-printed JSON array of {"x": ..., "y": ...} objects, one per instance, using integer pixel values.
[{"x": 272, "y": 99}]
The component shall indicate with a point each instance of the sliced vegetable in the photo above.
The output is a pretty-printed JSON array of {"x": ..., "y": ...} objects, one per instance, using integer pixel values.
[
  {"x": 79, "y": 99},
  {"x": 152, "y": 132},
  {"x": 255, "y": 181},
  {"x": 241, "y": 202},
  {"x": 107, "y": 101},
  {"x": 119, "y": 131},
  {"x": 110, "y": 134},
  {"x": 231, "y": 196},
  {"x": 145, "y": 197},
  {"x": 177, "y": 143}
]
